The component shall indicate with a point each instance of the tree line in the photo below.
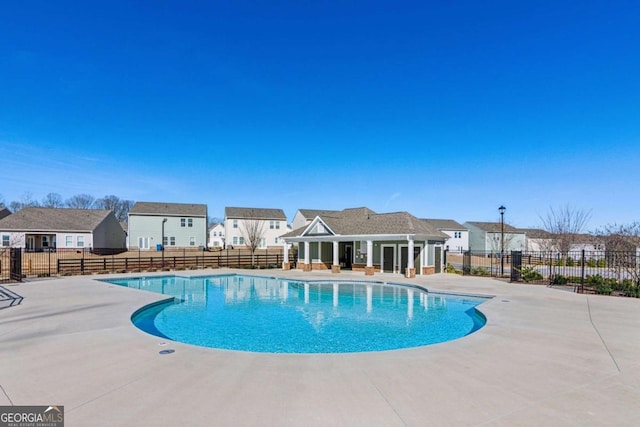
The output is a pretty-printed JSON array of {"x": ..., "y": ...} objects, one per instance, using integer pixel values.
[{"x": 120, "y": 207}]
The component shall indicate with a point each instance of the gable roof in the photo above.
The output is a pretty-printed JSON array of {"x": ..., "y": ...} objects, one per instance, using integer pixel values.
[
  {"x": 364, "y": 221},
  {"x": 312, "y": 213},
  {"x": 445, "y": 224},
  {"x": 161, "y": 208},
  {"x": 254, "y": 213},
  {"x": 54, "y": 219},
  {"x": 4, "y": 212},
  {"x": 493, "y": 227},
  {"x": 536, "y": 233}
]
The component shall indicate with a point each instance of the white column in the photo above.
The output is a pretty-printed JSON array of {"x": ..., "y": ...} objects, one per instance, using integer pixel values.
[
  {"x": 285, "y": 248},
  {"x": 306, "y": 252},
  {"x": 369, "y": 253},
  {"x": 410, "y": 255},
  {"x": 336, "y": 259}
]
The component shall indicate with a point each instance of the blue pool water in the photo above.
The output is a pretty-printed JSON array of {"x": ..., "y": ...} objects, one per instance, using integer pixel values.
[{"x": 262, "y": 314}]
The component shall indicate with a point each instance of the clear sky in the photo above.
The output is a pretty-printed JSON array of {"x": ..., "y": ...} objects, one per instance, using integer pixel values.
[{"x": 444, "y": 109}]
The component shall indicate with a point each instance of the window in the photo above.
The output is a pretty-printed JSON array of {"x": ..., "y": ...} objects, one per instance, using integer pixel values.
[
  {"x": 276, "y": 241},
  {"x": 80, "y": 241},
  {"x": 172, "y": 241},
  {"x": 68, "y": 241},
  {"x": 143, "y": 242},
  {"x": 262, "y": 244},
  {"x": 241, "y": 241},
  {"x": 45, "y": 241},
  {"x": 183, "y": 222},
  {"x": 215, "y": 234},
  {"x": 216, "y": 244},
  {"x": 5, "y": 240},
  {"x": 165, "y": 241},
  {"x": 190, "y": 222},
  {"x": 192, "y": 241},
  {"x": 235, "y": 223},
  {"x": 235, "y": 240},
  {"x": 274, "y": 225}
]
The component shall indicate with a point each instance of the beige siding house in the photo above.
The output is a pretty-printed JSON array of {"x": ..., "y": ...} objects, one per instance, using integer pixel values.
[
  {"x": 271, "y": 223},
  {"x": 57, "y": 229}
]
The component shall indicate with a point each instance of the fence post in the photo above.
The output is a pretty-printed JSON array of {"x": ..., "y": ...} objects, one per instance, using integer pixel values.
[{"x": 582, "y": 273}]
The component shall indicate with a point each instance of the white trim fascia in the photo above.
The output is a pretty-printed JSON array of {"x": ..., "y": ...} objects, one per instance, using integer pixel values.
[
  {"x": 313, "y": 223},
  {"x": 364, "y": 237}
]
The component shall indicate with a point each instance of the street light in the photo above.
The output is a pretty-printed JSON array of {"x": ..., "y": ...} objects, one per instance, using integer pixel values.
[{"x": 502, "y": 209}]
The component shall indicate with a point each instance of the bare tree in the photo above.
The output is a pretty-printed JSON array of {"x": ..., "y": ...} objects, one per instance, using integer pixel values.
[
  {"x": 52, "y": 200},
  {"x": 26, "y": 201},
  {"x": 253, "y": 233},
  {"x": 622, "y": 246},
  {"x": 566, "y": 224},
  {"x": 119, "y": 207},
  {"x": 81, "y": 201}
]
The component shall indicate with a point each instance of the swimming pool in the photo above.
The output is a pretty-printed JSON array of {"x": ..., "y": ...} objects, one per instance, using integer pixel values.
[{"x": 266, "y": 314}]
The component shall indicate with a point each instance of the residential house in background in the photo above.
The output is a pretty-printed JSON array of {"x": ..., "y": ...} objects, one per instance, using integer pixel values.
[
  {"x": 363, "y": 240},
  {"x": 305, "y": 216},
  {"x": 487, "y": 237},
  {"x": 458, "y": 235},
  {"x": 153, "y": 225},
  {"x": 238, "y": 221},
  {"x": 538, "y": 240},
  {"x": 216, "y": 236},
  {"x": 59, "y": 229}
]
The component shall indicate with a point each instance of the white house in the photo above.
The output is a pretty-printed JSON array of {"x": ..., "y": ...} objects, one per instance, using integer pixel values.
[
  {"x": 272, "y": 223},
  {"x": 153, "y": 225},
  {"x": 57, "y": 229},
  {"x": 216, "y": 236},
  {"x": 488, "y": 237},
  {"x": 458, "y": 235}
]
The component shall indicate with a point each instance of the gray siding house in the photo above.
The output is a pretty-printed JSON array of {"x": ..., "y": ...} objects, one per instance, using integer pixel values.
[
  {"x": 49, "y": 229},
  {"x": 153, "y": 225},
  {"x": 362, "y": 240},
  {"x": 487, "y": 236}
]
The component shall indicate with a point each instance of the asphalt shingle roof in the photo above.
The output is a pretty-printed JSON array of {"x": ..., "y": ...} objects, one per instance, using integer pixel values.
[
  {"x": 445, "y": 224},
  {"x": 54, "y": 219},
  {"x": 177, "y": 209},
  {"x": 254, "y": 213},
  {"x": 364, "y": 221},
  {"x": 494, "y": 227}
]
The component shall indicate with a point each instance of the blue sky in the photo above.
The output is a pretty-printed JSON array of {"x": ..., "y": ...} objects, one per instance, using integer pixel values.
[{"x": 443, "y": 109}]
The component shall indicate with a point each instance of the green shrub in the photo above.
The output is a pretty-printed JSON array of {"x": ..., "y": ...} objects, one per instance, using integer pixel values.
[
  {"x": 479, "y": 271},
  {"x": 529, "y": 274},
  {"x": 602, "y": 263},
  {"x": 570, "y": 262},
  {"x": 592, "y": 263},
  {"x": 451, "y": 269},
  {"x": 559, "y": 279}
]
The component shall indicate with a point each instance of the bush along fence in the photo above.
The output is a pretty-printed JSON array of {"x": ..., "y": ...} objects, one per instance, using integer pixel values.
[
  {"x": 600, "y": 272},
  {"x": 19, "y": 264}
]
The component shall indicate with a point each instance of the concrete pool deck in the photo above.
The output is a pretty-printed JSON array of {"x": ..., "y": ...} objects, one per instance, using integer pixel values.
[{"x": 546, "y": 357}]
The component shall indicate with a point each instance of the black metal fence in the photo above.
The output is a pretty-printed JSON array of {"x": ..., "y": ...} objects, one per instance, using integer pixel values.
[
  {"x": 95, "y": 261},
  {"x": 603, "y": 272}
]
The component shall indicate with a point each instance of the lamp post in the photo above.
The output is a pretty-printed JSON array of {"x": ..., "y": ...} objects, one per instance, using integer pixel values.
[
  {"x": 502, "y": 209},
  {"x": 162, "y": 247}
]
